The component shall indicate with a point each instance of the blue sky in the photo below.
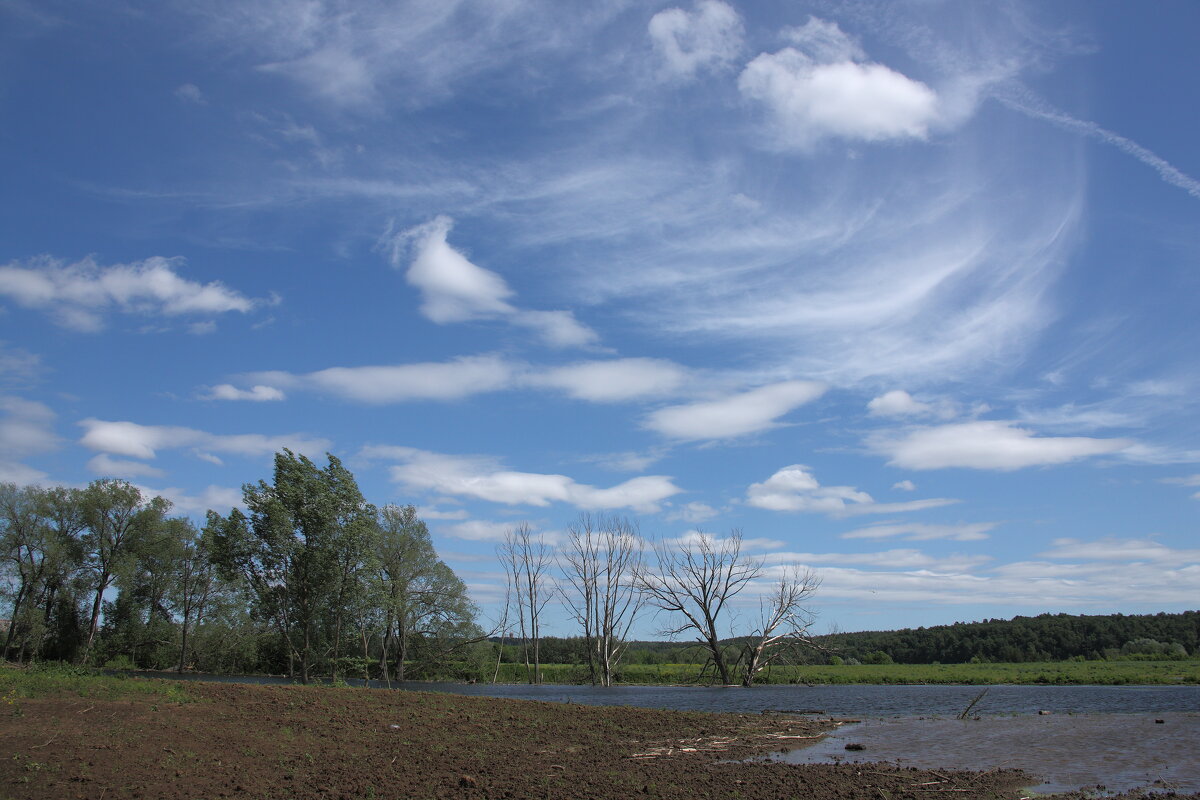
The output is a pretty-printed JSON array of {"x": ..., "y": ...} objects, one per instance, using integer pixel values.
[{"x": 907, "y": 292}]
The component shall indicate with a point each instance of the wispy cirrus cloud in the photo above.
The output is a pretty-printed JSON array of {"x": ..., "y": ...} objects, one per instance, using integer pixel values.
[{"x": 919, "y": 531}]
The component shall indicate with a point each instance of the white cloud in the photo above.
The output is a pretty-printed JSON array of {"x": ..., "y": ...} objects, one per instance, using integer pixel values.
[
  {"x": 694, "y": 512},
  {"x": 823, "y": 90},
  {"x": 905, "y": 486},
  {"x": 144, "y": 441},
  {"x": 78, "y": 295},
  {"x": 221, "y": 499},
  {"x": 1112, "y": 548},
  {"x": 453, "y": 289},
  {"x": 257, "y": 393},
  {"x": 449, "y": 380},
  {"x": 688, "y": 42},
  {"x": 897, "y": 559},
  {"x": 557, "y": 328},
  {"x": 107, "y": 466},
  {"x": 794, "y": 488},
  {"x": 616, "y": 380},
  {"x": 737, "y": 415},
  {"x": 483, "y": 478},
  {"x": 987, "y": 444},
  {"x": 17, "y": 365},
  {"x": 693, "y": 539},
  {"x": 191, "y": 93},
  {"x": 26, "y": 429},
  {"x": 476, "y": 530},
  {"x": 897, "y": 403},
  {"x": 918, "y": 531}
]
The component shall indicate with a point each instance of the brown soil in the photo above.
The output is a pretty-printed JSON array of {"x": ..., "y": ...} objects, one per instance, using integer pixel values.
[{"x": 285, "y": 742}]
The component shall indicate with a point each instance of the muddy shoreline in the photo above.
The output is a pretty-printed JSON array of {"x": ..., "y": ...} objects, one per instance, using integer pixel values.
[{"x": 238, "y": 741}]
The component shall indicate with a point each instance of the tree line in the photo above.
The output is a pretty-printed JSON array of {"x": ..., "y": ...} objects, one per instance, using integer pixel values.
[{"x": 312, "y": 580}]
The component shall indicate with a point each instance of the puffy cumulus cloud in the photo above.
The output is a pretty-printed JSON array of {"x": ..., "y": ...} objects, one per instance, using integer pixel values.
[
  {"x": 133, "y": 440},
  {"x": 26, "y": 429},
  {"x": 477, "y": 530},
  {"x": 257, "y": 393},
  {"x": 1111, "y": 548},
  {"x": 104, "y": 465},
  {"x": 398, "y": 383},
  {"x": 794, "y": 488},
  {"x": 191, "y": 93},
  {"x": 709, "y": 37},
  {"x": 905, "y": 486},
  {"x": 897, "y": 403},
  {"x": 484, "y": 479},
  {"x": 986, "y": 444},
  {"x": 615, "y": 380},
  {"x": 918, "y": 531},
  {"x": 78, "y": 295},
  {"x": 823, "y": 90},
  {"x": 736, "y": 415},
  {"x": 453, "y": 289}
]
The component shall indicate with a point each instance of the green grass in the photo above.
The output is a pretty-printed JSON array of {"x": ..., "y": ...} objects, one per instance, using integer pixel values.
[
  {"x": 53, "y": 680},
  {"x": 1113, "y": 673}
]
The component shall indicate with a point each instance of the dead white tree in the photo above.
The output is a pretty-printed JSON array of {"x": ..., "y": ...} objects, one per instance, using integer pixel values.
[
  {"x": 694, "y": 579},
  {"x": 527, "y": 559},
  {"x": 600, "y": 563},
  {"x": 783, "y": 622}
]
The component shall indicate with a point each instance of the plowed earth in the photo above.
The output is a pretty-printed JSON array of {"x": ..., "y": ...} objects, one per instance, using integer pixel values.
[{"x": 298, "y": 742}]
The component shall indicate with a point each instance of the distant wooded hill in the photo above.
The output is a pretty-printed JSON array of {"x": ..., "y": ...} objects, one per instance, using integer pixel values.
[{"x": 1046, "y": 637}]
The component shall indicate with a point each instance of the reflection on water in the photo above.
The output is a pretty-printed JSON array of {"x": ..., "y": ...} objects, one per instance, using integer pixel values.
[{"x": 1117, "y": 751}]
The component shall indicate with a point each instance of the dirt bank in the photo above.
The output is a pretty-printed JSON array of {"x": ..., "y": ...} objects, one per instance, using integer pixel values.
[{"x": 294, "y": 742}]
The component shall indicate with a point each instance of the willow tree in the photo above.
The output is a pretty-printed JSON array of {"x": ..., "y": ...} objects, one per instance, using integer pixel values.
[
  {"x": 300, "y": 549},
  {"x": 425, "y": 605}
]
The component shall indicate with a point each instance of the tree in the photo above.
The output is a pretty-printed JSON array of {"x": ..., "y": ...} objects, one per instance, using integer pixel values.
[
  {"x": 695, "y": 579},
  {"x": 193, "y": 579},
  {"x": 783, "y": 621},
  {"x": 298, "y": 550},
  {"x": 425, "y": 604},
  {"x": 117, "y": 520},
  {"x": 602, "y": 557},
  {"x": 527, "y": 561}
]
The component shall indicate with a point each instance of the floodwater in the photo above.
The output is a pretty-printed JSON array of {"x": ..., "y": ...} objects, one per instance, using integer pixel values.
[
  {"x": 1104, "y": 752},
  {"x": 1091, "y": 736}
]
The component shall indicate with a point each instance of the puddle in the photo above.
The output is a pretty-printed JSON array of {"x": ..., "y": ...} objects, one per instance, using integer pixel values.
[{"x": 1118, "y": 752}]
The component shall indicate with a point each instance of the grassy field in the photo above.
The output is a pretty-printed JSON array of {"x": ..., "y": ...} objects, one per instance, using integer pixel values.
[
  {"x": 1058, "y": 673},
  {"x": 56, "y": 680}
]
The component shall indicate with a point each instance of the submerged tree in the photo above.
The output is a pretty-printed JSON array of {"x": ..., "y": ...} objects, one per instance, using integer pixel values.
[
  {"x": 527, "y": 560},
  {"x": 783, "y": 622},
  {"x": 694, "y": 580},
  {"x": 600, "y": 562}
]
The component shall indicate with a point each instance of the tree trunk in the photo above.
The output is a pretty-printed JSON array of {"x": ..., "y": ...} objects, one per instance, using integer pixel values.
[{"x": 95, "y": 623}]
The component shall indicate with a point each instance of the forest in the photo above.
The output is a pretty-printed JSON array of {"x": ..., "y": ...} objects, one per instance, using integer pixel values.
[{"x": 312, "y": 581}]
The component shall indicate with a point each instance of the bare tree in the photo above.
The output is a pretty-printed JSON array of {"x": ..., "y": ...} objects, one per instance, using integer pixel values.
[
  {"x": 695, "y": 579},
  {"x": 783, "y": 622},
  {"x": 600, "y": 563},
  {"x": 527, "y": 560}
]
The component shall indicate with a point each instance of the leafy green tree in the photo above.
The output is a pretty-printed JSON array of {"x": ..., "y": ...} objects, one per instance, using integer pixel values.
[
  {"x": 294, "y": 548},
  {"x": 425, "y": 606},
  {"x": 117, "y": 521}
]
